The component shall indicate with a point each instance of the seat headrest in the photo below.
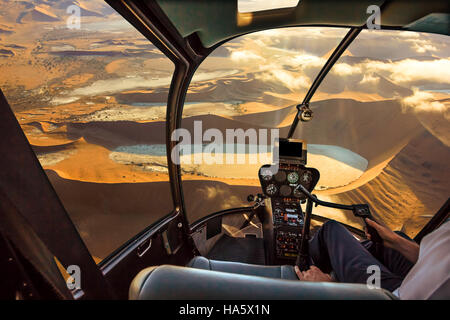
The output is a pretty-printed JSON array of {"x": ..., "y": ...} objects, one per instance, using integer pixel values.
[{"x": 172, "y": 283}]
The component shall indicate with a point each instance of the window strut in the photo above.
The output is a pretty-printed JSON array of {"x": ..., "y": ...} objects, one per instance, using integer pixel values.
[{"x": 304, "y": 106}]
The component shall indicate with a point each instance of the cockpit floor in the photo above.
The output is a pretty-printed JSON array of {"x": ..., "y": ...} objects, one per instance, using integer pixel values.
[{"x": 246, "y": 250}]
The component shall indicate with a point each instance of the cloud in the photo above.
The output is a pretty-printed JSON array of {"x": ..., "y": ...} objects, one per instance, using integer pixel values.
[
  {"x": 291, "y": 80},
  {"x": 245, "y": 56},
  {"x": 422, "y": 46},
  {"x": 370, "y": 79},
  {"x": 422, "y": 101},
  {"x": 411, "y": 70},
  {"x": 293, "y": 57},
  {"x": 306, "y": 59},
  {"x": 291, "y": 69},
  {"x": 295, "y": 40},
  {"x": 434, "y": 115},
  {"x": 406, "y": 71},
  {"x": 344, "y": 69}
]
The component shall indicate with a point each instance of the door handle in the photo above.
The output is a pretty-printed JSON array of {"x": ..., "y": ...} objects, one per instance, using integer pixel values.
[{"x": 144, "y": 247}]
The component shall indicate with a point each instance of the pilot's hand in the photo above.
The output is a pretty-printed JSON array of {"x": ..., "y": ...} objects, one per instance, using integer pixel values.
[
  {"x": 389, "y": 237},
  {"x": 313, "y": 274}
]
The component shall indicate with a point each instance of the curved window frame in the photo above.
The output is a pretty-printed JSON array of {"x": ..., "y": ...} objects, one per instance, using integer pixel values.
[
  {"x": 339, "y": 50},
  {"x": 172, "y": 205},
  {"x": 218, "y": 47}
]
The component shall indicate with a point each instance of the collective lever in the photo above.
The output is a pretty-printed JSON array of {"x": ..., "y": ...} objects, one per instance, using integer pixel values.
[{"x": 359, "y": 210}]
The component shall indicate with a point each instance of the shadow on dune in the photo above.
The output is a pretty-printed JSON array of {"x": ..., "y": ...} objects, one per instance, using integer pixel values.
[
  {"x": 215, "y": 196},
  {"x": 374, "y": 130},
  {"x": 412, "y": 187},
  {"x": 109, "y": 214},
  {"x": 106, "y": 214}
]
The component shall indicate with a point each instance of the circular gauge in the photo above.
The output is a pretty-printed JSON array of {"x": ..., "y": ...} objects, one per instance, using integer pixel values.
[
  {"x": 285, "y": 190},
  {"x": 271, "y": 189},
  {"x": 280, "y": 176},
  {"x": 266, "y": 174},
  {"x": 297, "y": 193},
  {"x": 306, "y": 177},
  {"x": 292, "y": 177}
]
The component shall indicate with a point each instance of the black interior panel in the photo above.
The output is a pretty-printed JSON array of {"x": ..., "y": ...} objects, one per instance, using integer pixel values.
[
  {"x": 124, "y": 266},
  {"x": 246, "y": 250}
]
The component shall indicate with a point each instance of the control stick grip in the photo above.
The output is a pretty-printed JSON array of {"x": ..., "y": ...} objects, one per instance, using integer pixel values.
[
  {"x": 363, "y": 211},
  {"x": 374, "y": 236}
]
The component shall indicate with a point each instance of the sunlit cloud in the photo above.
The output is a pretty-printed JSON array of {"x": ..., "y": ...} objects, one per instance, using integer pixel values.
[
  {"x": 344, "y": 69},
  {"x": 316, "y": 41},
  {"x": 292, "y": 57},
  {"x": 370, "y": 79},
  {"x": 425, "y": 101},
  {"x": 410, "y": 70},
  {"x": 245, "y": 56},
  {"x": 293, "y": 81},
  {"x": 306, "y": 60},
  {"x": 422, "y": 46},
  {"x": 434, "y": 115}
]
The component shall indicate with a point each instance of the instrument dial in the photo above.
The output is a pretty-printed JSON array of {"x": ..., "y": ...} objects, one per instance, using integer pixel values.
[
  {"x": 285, "y": 190},
  {"x": 266, "y": 174},
  {"x": 292, "y": 177},
  {"x": 306, "y": 177},
  {"x": 271, "y": 189},
  {"x": 280, "y": 176},
  {"x": 297, "y": 193}
]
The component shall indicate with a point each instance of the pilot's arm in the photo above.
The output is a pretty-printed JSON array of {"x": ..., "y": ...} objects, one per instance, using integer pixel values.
[{"x": 409, "y": 249}]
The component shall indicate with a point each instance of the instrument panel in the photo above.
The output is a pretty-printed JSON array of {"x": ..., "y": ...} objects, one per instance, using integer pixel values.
[
  {"x": 287, "y": 215},
  {"x": 282, "y": 183}
]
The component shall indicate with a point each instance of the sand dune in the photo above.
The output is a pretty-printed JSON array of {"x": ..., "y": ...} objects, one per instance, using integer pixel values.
[
  {"x": 6, "y": 53},
  {"x": 375, "y": 130},
  {"x": 388, "y": 174},
  {"x": 383, "y": 124},
  {"x": 338, "y": 166},
  {"x": 100, "y": 168},
  {"x": 411, "y": 188},
  {"x": 43, "y": 11},
  {"x": 38, "y": 13},
  {"x": 88, "y": 8},
  {"x": 405, "y": 184},
  {"x": 280, "y": 118},
  {"x": 334, "y": 84},
  {"x": 393, "y": 124},
  {"x": 237, "y": 87},
  {"x": 104, "y": 220},
  {"x": 5, "y": 30},
  {"x": 114, "y": 134},
  {"x": 215, "y": 196},
  {"x": 86, "y": 99}
]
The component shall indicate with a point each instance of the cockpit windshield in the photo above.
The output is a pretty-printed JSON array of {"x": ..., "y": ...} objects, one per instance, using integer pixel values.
[
  {"x": 389, "y": 105},
  {"x": 259, "y": 78},
  {"x": 379, "y": 133}
]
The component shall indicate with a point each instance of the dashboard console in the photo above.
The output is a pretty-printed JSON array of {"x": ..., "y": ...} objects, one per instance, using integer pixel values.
[{"x": 280, "y": 187}]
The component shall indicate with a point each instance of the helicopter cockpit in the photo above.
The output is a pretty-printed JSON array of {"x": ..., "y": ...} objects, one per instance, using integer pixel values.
[
  {"x": 193, "y": 149},
  {"x": 287, "y": 184}
]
